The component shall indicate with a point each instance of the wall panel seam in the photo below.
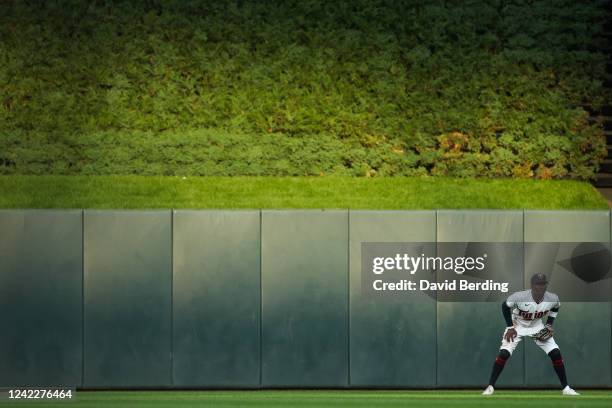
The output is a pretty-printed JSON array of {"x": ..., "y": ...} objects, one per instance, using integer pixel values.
[
  {"x": 348, "y": 295},
  {"x": 524, "y": 270},
  {"x": 260, "y": 298},
  {"x": 172, "y": 297},
  {"x": 436, "y": 383},
  {"x": 82, "y": 298}
]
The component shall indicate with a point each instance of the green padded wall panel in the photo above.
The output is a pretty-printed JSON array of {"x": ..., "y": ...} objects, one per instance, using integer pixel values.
[
  {"x": 305, "y": 310},
  {"x": 216, "y": 298},
  {"x": 41, "y": 298},
  {"x": 305, "y": 298},
  {"x": 128, "y": 278},
  {"x": 469, "y": 333},
  {"x": 392, "y": 340},
  {"x": 582, "y": 329}
]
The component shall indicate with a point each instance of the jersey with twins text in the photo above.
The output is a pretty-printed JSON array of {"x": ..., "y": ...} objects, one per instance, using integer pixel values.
[{"x": 527, "y": 314}]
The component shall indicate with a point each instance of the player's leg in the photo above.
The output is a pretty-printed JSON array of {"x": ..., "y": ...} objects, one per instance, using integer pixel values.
[
  {"x": 505, "y": 351},
  {"x": 551, "y": 348},
  {"x": 498, "y": 365}
]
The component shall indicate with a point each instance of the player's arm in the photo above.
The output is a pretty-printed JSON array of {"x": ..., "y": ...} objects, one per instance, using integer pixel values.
[
  {"x": 553, "y": 314},
  {"x": 507, "y": 312},
  {"x": 547, "y": 332}
]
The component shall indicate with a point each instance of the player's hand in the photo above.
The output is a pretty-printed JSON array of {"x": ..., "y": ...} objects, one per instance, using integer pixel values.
[{"x": 510, "y": 334}]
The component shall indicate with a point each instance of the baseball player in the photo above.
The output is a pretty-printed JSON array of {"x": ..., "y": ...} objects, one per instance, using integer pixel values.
[{"x": 524, "y": 312}]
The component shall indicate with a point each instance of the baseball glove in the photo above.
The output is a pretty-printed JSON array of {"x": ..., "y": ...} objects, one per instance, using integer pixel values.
[{"x": 544, "y": 334}]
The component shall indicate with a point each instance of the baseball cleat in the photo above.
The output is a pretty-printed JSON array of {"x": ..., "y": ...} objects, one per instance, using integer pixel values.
[
  {"x": 569, "y": 391},
  {"x": 489, "y": 390}
]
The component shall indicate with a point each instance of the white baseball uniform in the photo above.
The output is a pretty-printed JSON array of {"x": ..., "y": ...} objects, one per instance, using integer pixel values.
[{"x": 527, "y": 316}]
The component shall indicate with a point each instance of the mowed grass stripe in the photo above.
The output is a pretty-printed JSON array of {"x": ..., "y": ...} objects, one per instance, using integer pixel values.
[
  {"x": 393, "y": 193},
  {"x": 348, "y": 398}
]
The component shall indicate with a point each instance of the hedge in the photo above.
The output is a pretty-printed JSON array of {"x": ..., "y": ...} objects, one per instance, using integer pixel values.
[{"x": 302, "y": 87}]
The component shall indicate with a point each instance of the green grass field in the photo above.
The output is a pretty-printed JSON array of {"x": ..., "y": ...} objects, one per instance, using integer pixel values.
[
  {"x": 137, "y": 192},
  {"x": 292, "y": 398}
]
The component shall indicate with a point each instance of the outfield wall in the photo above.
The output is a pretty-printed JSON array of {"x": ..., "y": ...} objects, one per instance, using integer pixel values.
[{"x": 255, "y": 299}]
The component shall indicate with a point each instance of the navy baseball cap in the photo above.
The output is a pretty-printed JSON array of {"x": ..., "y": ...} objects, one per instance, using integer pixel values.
[{"x": 539, "y": 279}]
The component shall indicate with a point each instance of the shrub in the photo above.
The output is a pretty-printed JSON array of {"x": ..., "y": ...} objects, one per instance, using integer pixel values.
[{"x": 359, "y": 87}]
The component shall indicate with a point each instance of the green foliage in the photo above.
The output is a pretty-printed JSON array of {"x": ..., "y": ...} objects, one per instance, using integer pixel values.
[{"x": 348, "y": 87}]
